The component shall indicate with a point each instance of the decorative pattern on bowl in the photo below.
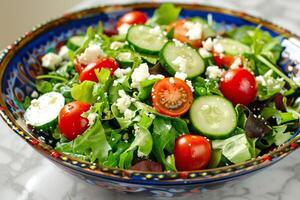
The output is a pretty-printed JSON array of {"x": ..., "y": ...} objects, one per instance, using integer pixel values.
[{"x": 20, "y": 64}]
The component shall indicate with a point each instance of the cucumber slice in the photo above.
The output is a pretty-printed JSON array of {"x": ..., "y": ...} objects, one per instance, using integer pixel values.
[
  {"x": 125, "y": 59},
  {"x": 234, "y": 47},
  {"x": 214, "y": 116},
  {"x": 207, "y": 30},
  {"x": 75, "y": 42},
  {"x": 43, "y": 112},
  {"x": 216, "y": 156},
  {"x": 146, "y": 39},
  {"x": 194, "y": 64}
]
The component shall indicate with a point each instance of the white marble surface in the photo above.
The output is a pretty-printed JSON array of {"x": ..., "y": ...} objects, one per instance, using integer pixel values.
[{"x": 26, "y": 175}]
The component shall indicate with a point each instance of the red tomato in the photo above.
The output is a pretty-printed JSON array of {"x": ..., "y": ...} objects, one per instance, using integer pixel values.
[
  {"x": 239, "y": 86},
  {"x": 172, "y": 96},
  {"x": 134, "y": 17},
  {"x": 180, "y": 33},
  {"x": 225, "y": 60},
  {"x": 192, "y": 152},
  {"x": 79, "y": 66},
  {"x": 70, "y": 122},
  {"x": 88, "y": 73}
]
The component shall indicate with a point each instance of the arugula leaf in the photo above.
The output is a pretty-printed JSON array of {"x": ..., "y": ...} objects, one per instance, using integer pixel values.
[
  {"x": 114, "y": 157},
  {"x": 84, "y": 92},
  {"x": 146, "y": 87},
  {"x": 205, "y": 87},
  {"x": 126, "y": 159},
  {"x": 165, "y": 14},
  {"x": 122, "y": 121},
  {"x": 91, "y": 144}
]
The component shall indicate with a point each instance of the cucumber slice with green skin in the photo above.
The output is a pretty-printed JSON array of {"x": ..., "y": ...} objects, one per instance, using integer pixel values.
[
  {"x": 43, "y": 112},
  {"x": 234, "y": 47},
  {"x": 145, "y": 39},
  {"x": 207, "y": 30},
  {"x": 216, "y": 156},
  {"x": 214, "y": 116},
  {"x": 125, "y": 59},
  {"x": 75, "y": 42},
  {"x": 194, "y": 63}
]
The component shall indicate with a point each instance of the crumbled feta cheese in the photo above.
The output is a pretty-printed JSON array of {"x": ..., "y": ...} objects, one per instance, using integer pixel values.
[
  {"x": 156, "y": 31},
  {"x": 171, "y": 80},
  {"x": 91, "y": 118},
  {"x": 156, "y": 76},
  {"x": 260, "y": 79},
  {"x": 129, "y": 114},
  {"x": 123, "y": 29},
  {"x": 123, "y": 102},
  {"x": 219, "y": 48},
  {"x": 181, "y": 75},
  {"x": 90, "y": 54},
  {"x": 125, "y": 56},
  {"x": 51, "y": 60},
  {"x": 139, "y": 74},
  {"x": 181, "y": 63},
  {"x": 189, "y": 83},
  {"x": 194, "y": 30},
  {"x": 208, "y": 44},
  {"x": 64, "y": 52},
  {"x": 116, "y": 45},
  {"x": 119, "y": 73},
  {"x": 34, "y": 94},
  {"x": 236, "y": 64},
  {"x": 213, "y": 72},
  {"x": 204, "y": 53},
  {"x": 177, "y": 43}
]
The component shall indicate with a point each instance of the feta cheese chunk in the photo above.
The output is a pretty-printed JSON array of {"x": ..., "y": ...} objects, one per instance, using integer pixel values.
[
  {"x": 214, "y": 72},
  {"x": 181, "y": 75},
  {"x": 208, "y": 44},
  {"x": 194, "y": 30},
  {"x": 139, "y": 74},
  {"x": 90, "y": 54},
  {"x": 51, "y": 60},
  {"x": 181, "y": 63},
  {"x": 63, "y": 52},
  {"x": 156, "y": 31},
  {"x": 236, "y": 64},
  {"x": 219, "y": 48},
  {"x": 116, "y": 45},
  {"x": 204, "y": 53},
  {"x": 156, "y": 76},
  {"x": 129, "y": 114},
  {"x": 121, "y": 75},
  {"x": 125, "y": 56},
  {"x": 189, "y": 83},
  {"x": 91, "y": 118},
  {"x": 178, "y": 43},
  {"x": 123, "y": 29},
  {"x": 123, "y": 102}
]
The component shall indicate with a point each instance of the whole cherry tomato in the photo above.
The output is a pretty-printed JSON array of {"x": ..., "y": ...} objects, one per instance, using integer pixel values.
[{"x": 134, "y": 17}]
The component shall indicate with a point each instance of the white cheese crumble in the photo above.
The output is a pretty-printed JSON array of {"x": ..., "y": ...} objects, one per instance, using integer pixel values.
[
  {"x": 204, "y": 53},
  {"x": 181, "y": 63},
  {"x": 91, "y": 118},
  {"x": 236, "y": 64},
  {"x": 129, "y": 114},
  {"x": 51, "y": 60},
  {"x": 189, "y": 83},
  {"x": 171, "y": 80},
  {"x": 34, "y": 94},
  {"x": 123, "y": 102},
  {"x": 64, "y": 52},
  {"x": 90, "y": 54},
  {"x": 156, "y": 31},
  {"x": 194, "y": 30},
  {"x": 219, "y": 48},
  {"x": 181, "y": 75},
  {"x": 139, "y": 74},
  {"x": 177, "y": 43},
  {"x": 116, "y": 45},
  {"x": 123, "y": 29},
  {"x": 125, "y": 56},
  {"x": 208, "y": 44},
  {"x": 120, "y": 74},
  {"x": 213, "y": 72},
  {"x": 156, "y": 76}
]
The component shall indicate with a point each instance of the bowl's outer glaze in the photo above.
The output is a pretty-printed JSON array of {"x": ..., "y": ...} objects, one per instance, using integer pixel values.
[{"x": 20, "y": 64}]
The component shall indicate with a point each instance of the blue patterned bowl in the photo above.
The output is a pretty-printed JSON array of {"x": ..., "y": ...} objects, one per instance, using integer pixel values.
[{"x": 20, "y": 64}]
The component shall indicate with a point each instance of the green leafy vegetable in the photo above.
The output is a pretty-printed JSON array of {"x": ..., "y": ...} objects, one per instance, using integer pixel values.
[
  {"x": 165, "y": 14},
  {"x": 205, "y": 87},
  {"x": 84, "y": 92},
  {"x": 43, "y": 86}
]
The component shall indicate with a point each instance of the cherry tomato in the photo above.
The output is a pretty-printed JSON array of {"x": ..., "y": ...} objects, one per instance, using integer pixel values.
[
  {"x": 134, "y": 17},
  {"x": 70, "y": 122},
  {"x": 88, "y": 73},
  {"x": 79, "y": 66},
  {"x": 192, "y": 152},
  {"x": 172, "y": 96},
  {"x": 225, "y": 60},
  {"x": 239, "y": 86},
  {"x": 180, "y": 33}
]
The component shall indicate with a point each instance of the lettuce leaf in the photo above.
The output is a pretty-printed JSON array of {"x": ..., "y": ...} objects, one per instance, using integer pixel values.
[
  {"x": 84, "y": 92},
  {"x": 165, "y": 14}
]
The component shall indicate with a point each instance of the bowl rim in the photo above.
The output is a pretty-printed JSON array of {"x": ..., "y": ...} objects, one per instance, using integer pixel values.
[{"x": 206, "y": 175}]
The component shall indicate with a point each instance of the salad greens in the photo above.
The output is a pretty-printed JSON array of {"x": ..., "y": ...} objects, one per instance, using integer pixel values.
[{"x": 131, "y": 111}]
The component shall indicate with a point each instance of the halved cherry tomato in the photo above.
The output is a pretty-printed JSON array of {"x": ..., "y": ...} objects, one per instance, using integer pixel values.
[
  {"x": 180, "y": 33},
  {"x": 79, "y": 66},
  {"x": 192, "y": 152},
  {"x": 70, "y": 122},
  {"x": 88, "y": 73},
  {"x": 223, "y": 60},
  {"x": 134, "y": 17},
  {"x": 239, "y": 86},
  {"x": 172, "y": 96}
]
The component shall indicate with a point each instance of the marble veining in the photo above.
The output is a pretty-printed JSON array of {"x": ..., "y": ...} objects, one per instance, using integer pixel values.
[{"x": 26, "y": 175}]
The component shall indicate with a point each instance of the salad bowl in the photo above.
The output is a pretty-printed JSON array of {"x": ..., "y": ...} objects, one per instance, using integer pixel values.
[{"x": 20, "y": 63}]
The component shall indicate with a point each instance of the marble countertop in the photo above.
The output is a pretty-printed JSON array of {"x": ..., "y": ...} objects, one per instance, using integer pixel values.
[{"x": 26, "y": 175}]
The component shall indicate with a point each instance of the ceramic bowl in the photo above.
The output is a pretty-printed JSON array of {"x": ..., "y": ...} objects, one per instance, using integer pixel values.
[{"x": 20, "y": 63}]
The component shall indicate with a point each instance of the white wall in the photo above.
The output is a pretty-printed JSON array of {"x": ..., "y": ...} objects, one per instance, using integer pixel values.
[{"x": 19, "y": 16}]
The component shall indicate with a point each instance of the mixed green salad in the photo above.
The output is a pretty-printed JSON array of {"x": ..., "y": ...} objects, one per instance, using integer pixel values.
[{"x": 165, "y": 94}]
